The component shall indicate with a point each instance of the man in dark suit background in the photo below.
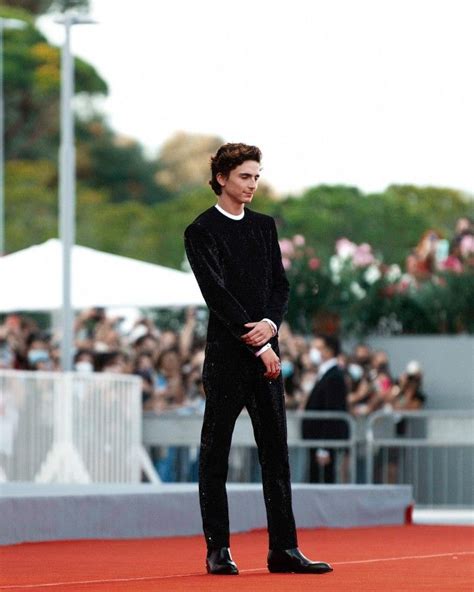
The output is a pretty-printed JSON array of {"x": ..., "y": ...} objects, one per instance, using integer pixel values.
[{"x": 328, "y": 394}]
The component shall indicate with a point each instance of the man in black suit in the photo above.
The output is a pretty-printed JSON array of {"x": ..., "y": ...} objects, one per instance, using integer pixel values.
[
  {"x": 234, "y": 253},
  {"x": 328, "y": 394}
]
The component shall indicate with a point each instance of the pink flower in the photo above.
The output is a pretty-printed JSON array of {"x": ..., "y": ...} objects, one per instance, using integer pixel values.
[
  {"x": 286, "y": 262},
  {"x": 405, "y": 283},
  {"x": 363, "y": 256},
  {"x": 467, "y": 245},
  {"x": 286, "y": 247},
  {"x": 345, "y": 248},
  {"x": 298, "y": 240},
  {"x": 314, "y": 263}
]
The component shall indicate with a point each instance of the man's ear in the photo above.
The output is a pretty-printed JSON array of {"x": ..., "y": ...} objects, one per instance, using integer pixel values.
[{"x": 221, "y": 179}]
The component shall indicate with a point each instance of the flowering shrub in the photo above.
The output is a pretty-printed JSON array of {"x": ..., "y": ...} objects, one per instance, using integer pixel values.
[{"x": 356, "y": 292}]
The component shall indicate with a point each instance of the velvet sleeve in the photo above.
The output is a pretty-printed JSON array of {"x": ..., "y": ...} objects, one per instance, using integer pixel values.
[
  {"x": 201, "y": 251},
  {"x": 278, "y": 303}
]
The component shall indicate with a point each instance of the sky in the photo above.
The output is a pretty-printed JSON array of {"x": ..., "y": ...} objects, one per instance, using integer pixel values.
[{"x": 355, "y": 92}]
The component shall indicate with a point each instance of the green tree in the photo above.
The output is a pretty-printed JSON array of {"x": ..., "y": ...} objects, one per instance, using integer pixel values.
[
  {"x": 440, "y": 207},
  {"x": 30, "y": 203},
  {"x": 116, "y": 164},
  {"x": 37, "y": 7},
  {"x": 32, "y": 91},
  {"x": 184, "y": 161},
  {"x": 392, "y": 221},
  {"x": 109, "y": 167}
]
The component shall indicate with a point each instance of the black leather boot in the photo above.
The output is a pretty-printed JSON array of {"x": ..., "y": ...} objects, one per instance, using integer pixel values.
[
  {"x": 293, "y": 561},
  {"x": 220, "y": 562}
]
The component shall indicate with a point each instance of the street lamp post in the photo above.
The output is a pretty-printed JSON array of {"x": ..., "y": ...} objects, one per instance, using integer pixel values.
[
  {"x": 4, "y": 24},
  {"x": 67, "y": 185}
]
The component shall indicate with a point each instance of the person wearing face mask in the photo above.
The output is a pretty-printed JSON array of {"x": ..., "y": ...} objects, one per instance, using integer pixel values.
[
  {"x": 363, "y": 356},
  {"x": 328, "y": 394},
  {"x": 287, "y": 368},
  {"x": 39, "y": 359},
  {"x": 84, "y": 361},
  {"x": 381, "y": 380},
  {"x": 356, "y": 373},
  {"x": 290, "y": 372},
  {"x": 360, "y": 400},
  {"x": 315, "y": 355},
  {"x": 38, "y": 355}
]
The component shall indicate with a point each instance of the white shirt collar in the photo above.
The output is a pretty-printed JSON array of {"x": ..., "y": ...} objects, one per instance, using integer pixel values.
[
  {"x": 326, "y": 366},
  {"x": 233, "y": 216}
]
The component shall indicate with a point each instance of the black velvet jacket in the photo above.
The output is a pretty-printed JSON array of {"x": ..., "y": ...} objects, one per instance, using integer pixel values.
[{"x": 238, "y": 266}]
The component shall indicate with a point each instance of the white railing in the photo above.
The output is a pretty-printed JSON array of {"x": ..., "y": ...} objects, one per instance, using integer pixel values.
[
  {"x": 433, "y": 451},
  {"x": 70, "y": 427},
  {"x": 175, "y": 429},
  {"x": 87, "y": 428}
]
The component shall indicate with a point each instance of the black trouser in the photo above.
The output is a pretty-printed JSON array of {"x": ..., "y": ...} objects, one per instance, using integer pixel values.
[{"x": 232, "y": 379}]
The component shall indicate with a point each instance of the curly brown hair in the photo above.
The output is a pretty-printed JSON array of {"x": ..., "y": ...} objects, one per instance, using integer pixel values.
[{"x": 229, "y": 157}]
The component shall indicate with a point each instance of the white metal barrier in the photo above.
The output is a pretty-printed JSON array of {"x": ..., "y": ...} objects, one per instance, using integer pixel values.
[
  {"x": 70, "y": 427},
  {"x": 432, "y": 450},
  {"x": 83, "y": 428},
  {"x": 177, "y": 430}
]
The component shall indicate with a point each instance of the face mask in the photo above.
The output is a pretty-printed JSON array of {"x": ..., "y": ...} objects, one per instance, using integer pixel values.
[
  {"x": 115, "y": 369},
  {"x": 356, "y": 372},
  {"x": 38, "y": 355},
  {"x": 315, "y": 356},
  {"x": 286, "y": 368},
  {"x": 84, "y": 366}
]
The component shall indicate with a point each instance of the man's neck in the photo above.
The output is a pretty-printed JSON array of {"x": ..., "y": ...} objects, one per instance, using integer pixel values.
[
  {"x": 326, "y": 365},
  {"x": 228, "y": 215}
]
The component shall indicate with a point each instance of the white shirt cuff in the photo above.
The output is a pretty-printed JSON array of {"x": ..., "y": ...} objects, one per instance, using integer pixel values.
[
  {"x": 264, "y": 348},
  {"x": 272, "y": 324}
]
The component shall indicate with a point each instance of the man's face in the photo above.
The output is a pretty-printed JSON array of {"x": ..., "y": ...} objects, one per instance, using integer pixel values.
[
  {"x": 463, "y": 225},
  {"x": 326, "y": 353},
  {"x": 363, "y": 355},
  {"x": 242, "y": 182}
]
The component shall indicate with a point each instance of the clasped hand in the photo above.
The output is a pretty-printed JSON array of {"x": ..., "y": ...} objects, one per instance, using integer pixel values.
[{"x": 259, "y": 335}]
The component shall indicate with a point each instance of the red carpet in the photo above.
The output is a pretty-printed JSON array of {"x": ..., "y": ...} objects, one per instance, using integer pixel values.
[{"x": 399, "y": 559}]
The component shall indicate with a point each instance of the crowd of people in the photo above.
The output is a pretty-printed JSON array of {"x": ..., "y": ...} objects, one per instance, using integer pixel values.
[
  {"x": 435, "y": 253},
  {"x": 170, "y": 362}
]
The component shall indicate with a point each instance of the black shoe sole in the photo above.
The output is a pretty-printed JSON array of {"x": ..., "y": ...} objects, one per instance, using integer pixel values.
[
  {"x": 281, "y": 569},
  {"x": 222, "y": 572}
]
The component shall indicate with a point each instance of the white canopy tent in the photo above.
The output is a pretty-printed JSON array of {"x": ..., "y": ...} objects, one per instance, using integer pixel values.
[{"x": 30, "y": 280}]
